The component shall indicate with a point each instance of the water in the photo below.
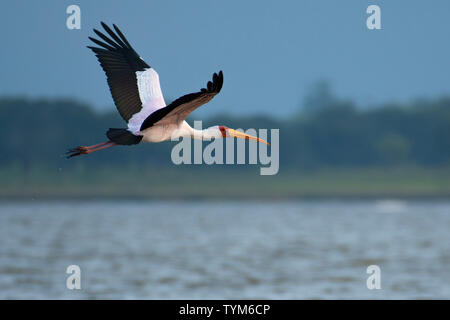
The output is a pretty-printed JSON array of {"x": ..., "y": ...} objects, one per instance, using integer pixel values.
[{"x": 215, "y": 250}]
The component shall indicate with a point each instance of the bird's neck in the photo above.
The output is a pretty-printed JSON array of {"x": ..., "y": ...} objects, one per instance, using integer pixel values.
[{"x": 195, "y": 133}]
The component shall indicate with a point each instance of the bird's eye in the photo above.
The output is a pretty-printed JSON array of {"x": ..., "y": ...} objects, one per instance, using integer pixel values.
[{"x": 223, "y": 131}]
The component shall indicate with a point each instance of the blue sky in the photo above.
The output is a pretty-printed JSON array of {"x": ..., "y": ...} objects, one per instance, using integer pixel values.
[{"x": 271, "y": 52}]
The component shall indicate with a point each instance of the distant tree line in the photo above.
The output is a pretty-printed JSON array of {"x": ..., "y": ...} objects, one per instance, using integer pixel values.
[{"x": 328, "y": 133}]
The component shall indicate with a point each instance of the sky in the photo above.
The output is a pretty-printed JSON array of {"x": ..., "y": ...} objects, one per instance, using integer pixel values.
[{"x": 271, "y": 52}]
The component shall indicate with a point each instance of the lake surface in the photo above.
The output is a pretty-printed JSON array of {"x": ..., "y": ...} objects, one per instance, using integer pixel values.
[{"x": 214, "y": 250}]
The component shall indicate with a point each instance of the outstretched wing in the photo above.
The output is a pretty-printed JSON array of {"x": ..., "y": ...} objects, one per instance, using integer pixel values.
[
  {"x": 179, "y": 110},
  {"x": 134, "y": 85}
]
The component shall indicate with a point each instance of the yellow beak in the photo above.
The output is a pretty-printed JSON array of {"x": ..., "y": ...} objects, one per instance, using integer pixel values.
[{"x": 237, "y": 134}]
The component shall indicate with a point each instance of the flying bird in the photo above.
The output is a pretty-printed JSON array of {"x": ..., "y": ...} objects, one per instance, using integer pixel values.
[{"x": 137, "y": 94}]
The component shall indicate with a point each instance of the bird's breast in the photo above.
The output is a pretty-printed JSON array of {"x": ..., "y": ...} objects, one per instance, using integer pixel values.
[{"x": 158, "y": 133}]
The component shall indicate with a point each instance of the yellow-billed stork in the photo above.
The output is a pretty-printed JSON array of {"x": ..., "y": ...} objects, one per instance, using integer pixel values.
[{"x": 136, "y": 92}]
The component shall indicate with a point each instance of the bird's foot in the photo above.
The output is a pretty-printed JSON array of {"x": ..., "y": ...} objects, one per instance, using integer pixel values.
[{"x": 78, "y": 151}]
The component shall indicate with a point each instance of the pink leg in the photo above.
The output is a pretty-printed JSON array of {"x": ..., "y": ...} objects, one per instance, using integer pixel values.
[
  {"x": 98, "y": 145},
  {"x": 92, "y": 149},
  {"x": 78, "y": 151}
]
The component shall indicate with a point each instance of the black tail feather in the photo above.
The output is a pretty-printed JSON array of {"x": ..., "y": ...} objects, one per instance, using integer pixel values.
[{"x": 123, "y": 137}]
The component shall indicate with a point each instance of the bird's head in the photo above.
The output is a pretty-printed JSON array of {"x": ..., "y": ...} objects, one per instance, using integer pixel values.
[{"x": 225, "y": 132}]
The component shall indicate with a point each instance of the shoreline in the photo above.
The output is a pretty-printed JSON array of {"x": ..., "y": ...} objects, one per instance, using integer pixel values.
[{"x": 313, "y": 198}]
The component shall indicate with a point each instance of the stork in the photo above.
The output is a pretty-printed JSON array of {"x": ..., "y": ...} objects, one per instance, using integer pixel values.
[{"x": 137, "y": 94}]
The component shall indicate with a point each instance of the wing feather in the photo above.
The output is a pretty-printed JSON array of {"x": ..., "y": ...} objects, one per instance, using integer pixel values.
[
  {"x": 179, "y": 109},
  {"x": 128, "y": 76}
]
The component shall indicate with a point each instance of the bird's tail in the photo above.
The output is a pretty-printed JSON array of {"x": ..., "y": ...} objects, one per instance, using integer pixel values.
[{"x": 123, "y": 137}]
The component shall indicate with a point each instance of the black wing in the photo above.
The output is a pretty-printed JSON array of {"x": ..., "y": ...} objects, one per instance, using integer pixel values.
[
  {"x": 179, "y": 110},
  {"x": 120, "y": 63}
]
